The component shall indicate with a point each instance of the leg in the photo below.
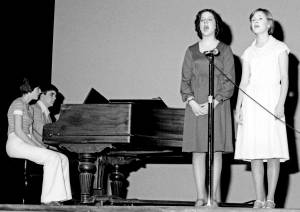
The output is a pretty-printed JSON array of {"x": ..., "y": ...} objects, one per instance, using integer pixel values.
[
  {"x": 54, "y": 185},
  {"x": 199, "y": 175},
  {"x": 272, "y": 175},
  {"x": 66, "y": 174},
  {"x": 217, "y": 173},
  {"x": 257, "y": 168},
  {"x": 53, "y": 188}
]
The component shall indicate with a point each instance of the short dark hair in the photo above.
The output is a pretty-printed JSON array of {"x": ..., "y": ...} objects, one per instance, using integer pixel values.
[
  {"x": 48, "y": 87},
  {"x": 218, "y": 19},
  {"x": 27, "y": 86},
  {"x": 269, "y": 16}
]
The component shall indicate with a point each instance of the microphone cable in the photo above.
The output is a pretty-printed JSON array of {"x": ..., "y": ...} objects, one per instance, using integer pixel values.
[{"x": 288, "y": 125}]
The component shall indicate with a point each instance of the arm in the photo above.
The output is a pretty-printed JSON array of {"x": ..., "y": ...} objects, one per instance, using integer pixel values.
[
  {"x": 38, "y": 123},
  {"x": 283, "y": 67},
  {"x": 39, "y": 143},
  {"x": 18, "y": 120},
  {"x": 186, "y": 77},
  {"x": 225, "y": 91},
  {"x": 243, "y": 85},
  {"x": 186, "y": 90}
]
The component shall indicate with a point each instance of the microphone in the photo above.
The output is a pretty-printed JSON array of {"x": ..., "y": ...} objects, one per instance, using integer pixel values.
[{"x": 214, "y": 52}]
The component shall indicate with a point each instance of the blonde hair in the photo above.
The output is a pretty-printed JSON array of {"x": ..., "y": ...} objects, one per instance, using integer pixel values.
[{"x": 269, "y": 16}]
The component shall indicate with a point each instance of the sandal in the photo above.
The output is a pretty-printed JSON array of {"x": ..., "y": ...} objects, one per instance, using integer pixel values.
[
  {"x": 214, "y": 203},
  {"x": 259, "y": 204},
  {"x": 200, "y": 203},
  {"x": 270, "y": 204},
  {"x": 53, "y": 203}
]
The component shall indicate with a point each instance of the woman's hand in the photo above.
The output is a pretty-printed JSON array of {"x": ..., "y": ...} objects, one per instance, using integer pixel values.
[
  {"x": 202, "y": 109},
  {"x": 216, "y": 102},
  {"x": 279, "y": 111},
  {"x": 196, "y": 108},
  {"x": 238, "y": 116}
]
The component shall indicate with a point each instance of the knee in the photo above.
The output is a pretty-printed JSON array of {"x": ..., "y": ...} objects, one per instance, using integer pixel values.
[
  {"x": 199, "y": 155},
  {"x": 53, "y": 157},
  {"x": 218, "y": 155},
  {"x": 64, "y": 159}
]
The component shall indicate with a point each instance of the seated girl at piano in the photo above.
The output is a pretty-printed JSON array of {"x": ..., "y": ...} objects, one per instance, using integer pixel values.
[{"x": 22, "y": 144}]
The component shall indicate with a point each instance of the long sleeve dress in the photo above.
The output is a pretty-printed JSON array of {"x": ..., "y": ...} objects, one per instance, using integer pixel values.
[
  {"x": 195, "y": 82},
  {"x": 261, "y": 136}
]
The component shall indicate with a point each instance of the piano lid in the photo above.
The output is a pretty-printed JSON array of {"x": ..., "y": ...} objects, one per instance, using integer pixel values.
[
  {"x": 94, "y": 97},
  {"x": 153, "y": 103}
]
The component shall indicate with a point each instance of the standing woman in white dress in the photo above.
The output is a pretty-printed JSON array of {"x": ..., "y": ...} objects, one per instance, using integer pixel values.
[{"x": 261, "y": 136}]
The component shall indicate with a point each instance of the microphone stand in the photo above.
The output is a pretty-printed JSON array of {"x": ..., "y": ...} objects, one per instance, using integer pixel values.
[{"x": 210, "y": 56}]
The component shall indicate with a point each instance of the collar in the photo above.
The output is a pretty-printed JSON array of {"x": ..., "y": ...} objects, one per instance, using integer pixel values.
[{"x": 43, "y": 107}]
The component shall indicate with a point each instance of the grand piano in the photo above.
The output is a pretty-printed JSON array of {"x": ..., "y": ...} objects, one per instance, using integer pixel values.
[{"x": 110, "y": 135}]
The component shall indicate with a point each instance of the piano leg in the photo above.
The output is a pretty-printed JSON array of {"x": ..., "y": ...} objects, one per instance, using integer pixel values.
[
  {"x": 87, "y": 169},
  {"x": 100, "y": 185},
  {"x": 120, "y": 167},
  {"x": 117, "y": 180}
]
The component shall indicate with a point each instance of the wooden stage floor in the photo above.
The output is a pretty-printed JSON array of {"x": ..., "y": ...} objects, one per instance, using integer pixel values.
[{"x": 83, "y": 208}]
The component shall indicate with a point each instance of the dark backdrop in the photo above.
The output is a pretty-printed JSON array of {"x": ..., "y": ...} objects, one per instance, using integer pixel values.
[{"x": 27, "y": 47}]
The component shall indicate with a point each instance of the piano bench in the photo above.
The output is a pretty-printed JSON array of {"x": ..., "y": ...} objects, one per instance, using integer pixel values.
[{"x": 33, "y": 178}]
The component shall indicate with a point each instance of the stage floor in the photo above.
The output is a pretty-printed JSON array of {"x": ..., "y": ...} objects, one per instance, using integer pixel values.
[{"x": 82, "y": 208}]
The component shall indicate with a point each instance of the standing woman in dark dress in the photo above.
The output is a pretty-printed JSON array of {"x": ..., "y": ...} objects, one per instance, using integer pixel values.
[{"x": 194, "y": 91}]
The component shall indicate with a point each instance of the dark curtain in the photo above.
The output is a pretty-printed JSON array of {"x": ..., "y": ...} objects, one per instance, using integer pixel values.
[{"x": 27, "y": 46}]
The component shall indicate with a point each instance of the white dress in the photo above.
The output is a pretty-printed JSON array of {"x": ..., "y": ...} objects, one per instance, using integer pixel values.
[{"x": 261, "y": 136}]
